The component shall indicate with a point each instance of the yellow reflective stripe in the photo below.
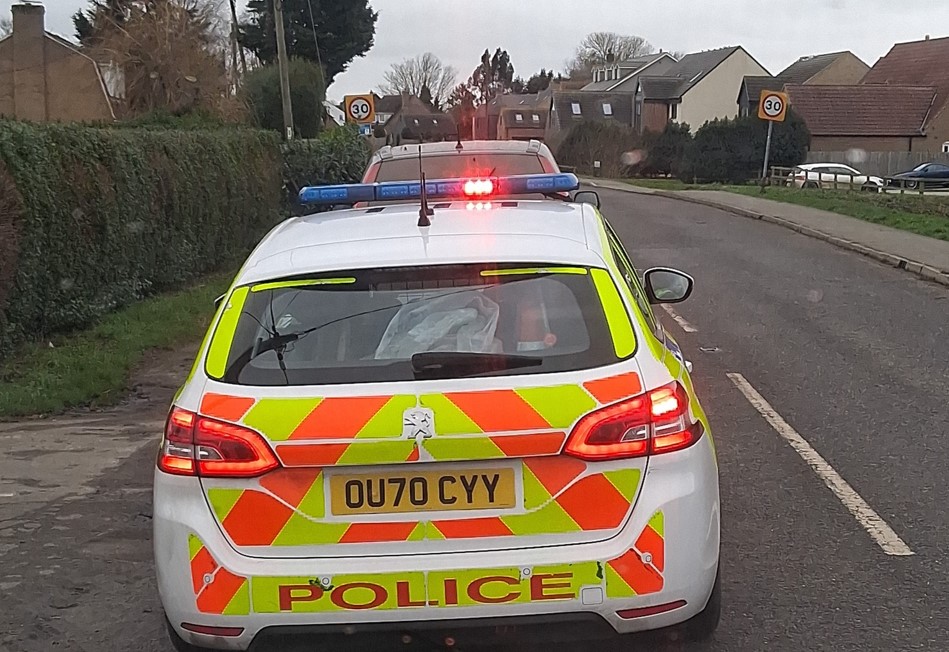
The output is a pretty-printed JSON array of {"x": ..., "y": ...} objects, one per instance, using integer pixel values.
[
  {"x": 560, "y": 406},
  {"x": 449, "y": 418},
  {"x": 313, "y": 503},
  {"x": 549, "y": 519},
  {"x": 626, "y": 481},
  {"x": 301, "y": 531},
  {"x": 285, "y": 285},
  {"x": 584, "y": 574},
  {"x": 204, "y": 346},
  {"x": 194, "y": 546},
  {"x": 377, "y": 452},
  {"x": 222, "y": 500},
  {"x": 616, "y": 586},
  {"x": 462, "y": 448},
  {"x": 278, "y": 418},
  {"x": 240, "y": 603},
  {"x": 220, "y": 348},
  {"x": 488, "y": 590},
  {"x": 266, "y": 592},
  {"x": 387, "y": 422},
  {"x": 579, "y": 271},
  {"x": 624, "y": 340},
  {"x": 657, "y": 523},
  {"x": 432, "y": 533},
  {"x": 535, "y": 493},
  {"x": 418, "y": 533}
]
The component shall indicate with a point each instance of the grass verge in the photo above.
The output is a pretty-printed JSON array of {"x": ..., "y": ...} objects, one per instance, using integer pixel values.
[
  {"x": 928, "y": 216},
  {"x": 670, "y": 184},
  {"x": 92, "y": 367}
]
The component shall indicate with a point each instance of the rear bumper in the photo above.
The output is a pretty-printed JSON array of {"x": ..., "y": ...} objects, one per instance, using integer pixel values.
[{"x": 203, "y": 580}]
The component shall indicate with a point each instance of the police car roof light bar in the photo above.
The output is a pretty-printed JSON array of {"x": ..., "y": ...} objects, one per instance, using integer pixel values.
[{"x": 526, "y": 184}]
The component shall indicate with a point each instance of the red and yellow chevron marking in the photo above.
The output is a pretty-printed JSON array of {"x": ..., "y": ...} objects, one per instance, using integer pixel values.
[
  {"x": 367, "y": 430},
  {"x": 216, "y": 589},
  {"x": 287, "y": 508},
  {"x": 639, "y": 571}
]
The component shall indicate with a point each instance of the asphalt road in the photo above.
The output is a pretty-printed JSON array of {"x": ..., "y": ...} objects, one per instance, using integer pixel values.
[{"x": 852, "y": 355}]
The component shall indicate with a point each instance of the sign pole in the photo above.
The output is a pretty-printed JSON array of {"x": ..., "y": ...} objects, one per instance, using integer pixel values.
[{"x": 767, "y": 155}]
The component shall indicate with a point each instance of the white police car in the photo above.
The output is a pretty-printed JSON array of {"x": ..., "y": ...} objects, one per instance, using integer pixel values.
[{"x": 458, "y": 427}]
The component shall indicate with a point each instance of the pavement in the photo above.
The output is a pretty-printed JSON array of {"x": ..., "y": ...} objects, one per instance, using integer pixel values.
[
  {"x": 925, "y": 257},
  {"x": 825, "y": 378}
]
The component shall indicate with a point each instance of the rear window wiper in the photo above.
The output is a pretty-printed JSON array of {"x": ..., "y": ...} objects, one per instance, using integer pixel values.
[{"x": 436, "y": 364}]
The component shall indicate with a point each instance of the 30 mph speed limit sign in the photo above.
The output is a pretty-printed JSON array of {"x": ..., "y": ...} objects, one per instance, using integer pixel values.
[
  {"x": 360, "y": 108},
  {"x": 773, "y": 106}
]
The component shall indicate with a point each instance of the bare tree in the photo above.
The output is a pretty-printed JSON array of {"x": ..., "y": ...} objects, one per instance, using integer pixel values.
[
  {"x": 6, "y": 27},
  {"x": 172, "y": 54},
  {"x": 423, "y": 72},
  {"x": 596, "y": 47}
]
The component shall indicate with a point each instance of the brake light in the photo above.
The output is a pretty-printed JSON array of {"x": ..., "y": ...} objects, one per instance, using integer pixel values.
[
  {"x": 478, "y": 187},
  {"x": 196, "y": 445},
  {"x": 649, "y": 424}
]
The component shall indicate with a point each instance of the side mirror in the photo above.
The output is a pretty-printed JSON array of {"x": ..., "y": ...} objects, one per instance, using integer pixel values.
[
  {"x": 666, "y": 285},
  {"x": 587, "y": 197},
  {"x": 217, "y": 302}
]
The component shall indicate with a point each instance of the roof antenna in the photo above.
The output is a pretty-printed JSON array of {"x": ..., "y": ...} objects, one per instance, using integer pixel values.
[{"x": 424, "y": 212}]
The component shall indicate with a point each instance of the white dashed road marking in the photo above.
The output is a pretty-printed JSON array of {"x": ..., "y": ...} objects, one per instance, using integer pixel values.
[
  {"x": 875, "y": 526},
  {"x": 686, "y": 326}
]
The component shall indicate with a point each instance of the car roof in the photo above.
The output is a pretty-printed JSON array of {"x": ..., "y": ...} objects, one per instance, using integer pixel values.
[
  {"x": 814, "y": 166},
  {"x": 389, "y": 236},
  {"x": 469, "y": 147}
]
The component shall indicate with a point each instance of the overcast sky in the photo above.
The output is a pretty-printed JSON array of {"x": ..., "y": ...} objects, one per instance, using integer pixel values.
[{"x": 543, "y": 33}]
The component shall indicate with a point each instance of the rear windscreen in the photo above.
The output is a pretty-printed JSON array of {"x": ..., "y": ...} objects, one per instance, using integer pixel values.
[
  {"x": 455, "y": 166},
  {"x": 379, "y": 325}
]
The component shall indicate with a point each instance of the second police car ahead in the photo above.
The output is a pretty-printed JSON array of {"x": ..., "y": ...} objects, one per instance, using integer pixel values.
[{"x": 471, "y": 433}]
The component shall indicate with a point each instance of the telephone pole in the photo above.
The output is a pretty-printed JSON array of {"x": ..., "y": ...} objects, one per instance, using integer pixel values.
[{"x": 284, "y": 66}]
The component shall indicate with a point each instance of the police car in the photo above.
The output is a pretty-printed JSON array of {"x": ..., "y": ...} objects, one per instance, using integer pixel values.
[{"x": 445, "y": 426}]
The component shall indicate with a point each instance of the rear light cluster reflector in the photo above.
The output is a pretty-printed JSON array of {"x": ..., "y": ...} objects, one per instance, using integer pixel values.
[
  {"x": 649, "y": 424},
  {"x": 196, "y": 445}
]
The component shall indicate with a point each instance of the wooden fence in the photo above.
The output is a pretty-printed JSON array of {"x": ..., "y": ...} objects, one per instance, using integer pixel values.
[{"x": 881, "y": 164}]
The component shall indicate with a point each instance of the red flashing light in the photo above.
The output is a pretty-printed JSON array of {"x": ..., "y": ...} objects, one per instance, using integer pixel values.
[
  {"x": 649, "y": 424},
  {"x": 196, "y": 445},
  {"x": 479, "y": 187}
]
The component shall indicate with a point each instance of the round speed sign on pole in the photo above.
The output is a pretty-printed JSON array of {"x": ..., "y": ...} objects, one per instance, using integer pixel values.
[
  {"x": 773, "y": 106},
  {"x": 360, "y": 109}
]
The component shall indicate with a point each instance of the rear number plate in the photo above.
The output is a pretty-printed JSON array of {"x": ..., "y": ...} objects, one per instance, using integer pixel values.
[{"x": 429, "y": 491}]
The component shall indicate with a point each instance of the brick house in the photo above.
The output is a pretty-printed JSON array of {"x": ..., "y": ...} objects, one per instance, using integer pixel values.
[
  {"x": 569, "y": 108},
  {"x": 487, "y": 122},
  {"x": 622, "y": 76},
  {"x": 920, "y": 63},
  {"x": 45, "y": 78}
]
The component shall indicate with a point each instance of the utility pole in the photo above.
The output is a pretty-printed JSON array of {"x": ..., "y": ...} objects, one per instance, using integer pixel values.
[
  {"x": 284, "y": 65},
  {"x": 240, "y": 50}
]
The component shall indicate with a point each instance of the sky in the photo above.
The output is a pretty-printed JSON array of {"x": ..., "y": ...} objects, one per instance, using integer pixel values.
[{"x": 544, "y": 33}]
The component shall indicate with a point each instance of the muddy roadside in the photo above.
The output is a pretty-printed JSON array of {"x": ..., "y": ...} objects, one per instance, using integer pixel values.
[{"x": 75, "y": 521}]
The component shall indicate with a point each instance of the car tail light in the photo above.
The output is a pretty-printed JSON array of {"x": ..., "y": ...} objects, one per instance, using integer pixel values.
[
  {"x": 479, "y": 187},
  {"x": 649, "y": 424},
  {"x": 196, "y": 445}
]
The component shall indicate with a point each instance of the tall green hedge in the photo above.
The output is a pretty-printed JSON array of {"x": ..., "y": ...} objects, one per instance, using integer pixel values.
[{"x": 93, "y": 219}]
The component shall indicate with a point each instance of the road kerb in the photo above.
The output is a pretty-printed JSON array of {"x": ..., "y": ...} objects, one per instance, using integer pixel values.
[{"x": 913, "y": 267}]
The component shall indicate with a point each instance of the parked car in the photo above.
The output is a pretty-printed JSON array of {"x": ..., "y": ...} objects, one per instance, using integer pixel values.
[
  {"x": 832, "y": 176},
  {"x": 929, "y": 175}
]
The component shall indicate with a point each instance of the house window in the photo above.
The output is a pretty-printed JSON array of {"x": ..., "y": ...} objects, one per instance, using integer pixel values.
[
  {"x": 575, "y": 107},
  {"x": 674, "y": 111},
  {"x": 519, "y": 117},
  {"x": 607, "y": 108},
  {"x": 434, "y": 122},
  {"x": 536, "y": 118},
  {"x": 945, "y": 148}
]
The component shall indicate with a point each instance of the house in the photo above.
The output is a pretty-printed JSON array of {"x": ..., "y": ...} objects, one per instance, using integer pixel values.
[
  {"x": 486, "y": 124},
  {"x": 699, "y": 88},
  {"x": 835, "y": 69},
  {"x": 920, "y": 63},
  {"x": 871, "y": 117},
  {"x": 45, "y": 78},
  {"x": 414, "y": 121},
  {"x": 569, "y": 108},
  {"x": 621, "y": 76},
  {"x": 523, "y": 124},
  {"x": 386, "y": 107}
]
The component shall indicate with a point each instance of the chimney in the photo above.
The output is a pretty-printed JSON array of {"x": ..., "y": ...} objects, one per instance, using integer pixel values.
[
  {"x": 927, "y": 37},
  {"x": 29, "y": 62}
]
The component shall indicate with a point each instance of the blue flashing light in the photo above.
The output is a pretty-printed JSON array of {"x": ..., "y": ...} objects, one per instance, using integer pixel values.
[{"x": 526, "y": 184}]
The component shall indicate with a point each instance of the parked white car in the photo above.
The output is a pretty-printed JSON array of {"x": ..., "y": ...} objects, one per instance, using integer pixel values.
[{"x": 833, "y": 176}]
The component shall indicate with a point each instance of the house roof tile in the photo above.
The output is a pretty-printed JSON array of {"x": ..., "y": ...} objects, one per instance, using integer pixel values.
[
  {"x": 863, "y": 110},
  {"x": 807, "y": 68},
  {"x": 918, "y": 63}
]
